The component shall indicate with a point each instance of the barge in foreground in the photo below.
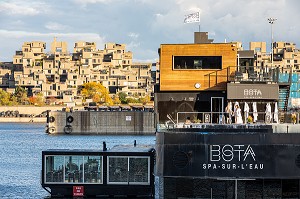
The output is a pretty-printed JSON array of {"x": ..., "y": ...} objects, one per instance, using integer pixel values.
[{"x": 120, "y": 171}]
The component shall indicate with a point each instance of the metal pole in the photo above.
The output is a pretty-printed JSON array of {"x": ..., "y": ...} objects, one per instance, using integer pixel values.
[
  {"x": 235, "y": 190},
  {"x": 271, "y": 21}
]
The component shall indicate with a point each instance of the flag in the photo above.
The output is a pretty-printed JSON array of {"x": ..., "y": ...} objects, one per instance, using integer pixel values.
[{"x": 191, "y": 18}]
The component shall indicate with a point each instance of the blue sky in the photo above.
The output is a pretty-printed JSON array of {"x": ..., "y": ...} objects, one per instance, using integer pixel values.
[{"x": 143, "y": 24}]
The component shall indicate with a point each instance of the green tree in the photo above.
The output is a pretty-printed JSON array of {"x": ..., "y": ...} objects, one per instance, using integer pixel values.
[
  {"x": 21, "y": 95},
  {"x": 123, "y": 97},
  {"x": 97, "y": 92}
]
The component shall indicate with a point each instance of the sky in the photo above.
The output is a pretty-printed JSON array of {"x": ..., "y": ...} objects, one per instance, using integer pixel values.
[{"x": 144, "y": 24}]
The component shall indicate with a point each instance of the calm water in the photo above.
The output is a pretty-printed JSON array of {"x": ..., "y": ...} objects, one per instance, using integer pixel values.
[{"x": 21, "y": 147}]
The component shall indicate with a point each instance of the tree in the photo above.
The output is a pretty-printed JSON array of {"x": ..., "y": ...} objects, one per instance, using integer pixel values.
[
  {"x": 7, "y": 99},
  {"x": 123, "y": 97},
  {"x": 4, "y": 97},
  {"x": 37, "y": 100},
  {"x": 21, "y": 95},
  {"x": 116, "y": 100},
  {"x": 145, "y": 100},
  {"x": 97, "y": 92}
]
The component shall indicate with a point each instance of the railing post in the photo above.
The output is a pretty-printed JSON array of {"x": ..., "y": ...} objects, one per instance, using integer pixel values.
[{"x": 227, "y": 73}]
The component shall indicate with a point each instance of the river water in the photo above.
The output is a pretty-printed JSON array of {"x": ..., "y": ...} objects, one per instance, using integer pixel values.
[{"x": 21, "y": 146}]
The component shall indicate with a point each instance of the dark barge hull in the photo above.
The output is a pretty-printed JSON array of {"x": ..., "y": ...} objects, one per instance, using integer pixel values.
[
  {"x": 118, "y": 172},
  {"x": 226, "y": 163}
]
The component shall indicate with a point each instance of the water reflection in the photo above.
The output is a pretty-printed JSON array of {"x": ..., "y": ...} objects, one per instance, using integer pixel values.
[{"x": 21, "y": 150}]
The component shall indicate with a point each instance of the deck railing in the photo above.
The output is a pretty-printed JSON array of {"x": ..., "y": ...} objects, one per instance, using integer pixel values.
[{"x": 192, "y": 119}]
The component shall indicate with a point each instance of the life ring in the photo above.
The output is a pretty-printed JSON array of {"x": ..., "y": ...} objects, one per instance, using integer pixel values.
[
  {"x": 68, "y": 129},
  {"x": 51, "y": 119},
  {"x": 51, "y": 130},
  {"x": 70, "y": 119}
]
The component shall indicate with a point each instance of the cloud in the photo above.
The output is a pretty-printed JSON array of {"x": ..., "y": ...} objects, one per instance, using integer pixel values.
[
  {"x": 16, "y": 7},
  {"x": 55, "y": 26},
  {"x": 83, "y": 3},
  {"x": 133, "y": 35},
  {"x": 13, "y": 40}
]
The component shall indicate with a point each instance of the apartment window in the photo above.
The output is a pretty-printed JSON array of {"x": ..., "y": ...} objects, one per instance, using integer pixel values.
[
  {"x": 49, "y": 71},
  {"x": 257, "y": 49},
  {"x": 197, "y": 62},
  {"x": 58, "y": 49},
  {"x": 288, "y": 61},
  {"x": 295, "y": 61}
]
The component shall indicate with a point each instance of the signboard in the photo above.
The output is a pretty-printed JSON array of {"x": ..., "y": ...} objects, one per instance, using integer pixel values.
[
  {"x": 78, "y": 190},
  {"x": 252, "y": 91},
  {"x": 229, "y": 156},
  {"x": 207, "y": 118},
  {"x": 128, "y": 118}
]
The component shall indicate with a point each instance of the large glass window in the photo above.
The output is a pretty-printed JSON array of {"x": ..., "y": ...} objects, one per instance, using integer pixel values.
[
  {"x": 128, "y": 170},
  {"x": 73, "y": 169},
  {"x": 54, "y": 168},
  {"x": 93, "y": 169},
  {"x": 139, "y": 170},
  {"x": 118, "y": 170},
  {"x": 197, "y": 62}
]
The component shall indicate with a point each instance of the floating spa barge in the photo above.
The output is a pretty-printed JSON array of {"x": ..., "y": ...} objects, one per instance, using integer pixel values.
[{"x": 120, "y": 171}]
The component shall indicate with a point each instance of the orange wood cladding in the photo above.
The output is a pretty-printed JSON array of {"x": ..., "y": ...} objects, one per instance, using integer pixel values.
[{"x": 185, "y": 80}]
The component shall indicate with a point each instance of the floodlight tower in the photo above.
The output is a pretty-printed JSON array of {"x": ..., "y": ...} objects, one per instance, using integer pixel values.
[{"x": 271, "y": 21}]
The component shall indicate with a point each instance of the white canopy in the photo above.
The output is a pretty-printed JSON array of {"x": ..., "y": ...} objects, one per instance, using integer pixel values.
[
  {"x": 268, "y": 112},
  {"x": 276, "y": 113},
  {"x": 255, "y": 114},
  {"x": 246, "y": 111}
]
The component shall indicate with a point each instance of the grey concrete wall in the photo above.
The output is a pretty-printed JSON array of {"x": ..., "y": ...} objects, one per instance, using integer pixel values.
[{"x": 97, "y": 122}]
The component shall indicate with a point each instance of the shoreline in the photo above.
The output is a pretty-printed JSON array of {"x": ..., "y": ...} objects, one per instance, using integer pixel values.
[{"x": 23, "y": 120}]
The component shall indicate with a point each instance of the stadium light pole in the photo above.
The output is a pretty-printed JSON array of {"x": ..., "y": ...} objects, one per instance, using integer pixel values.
[{"x": 271, "y": 21}]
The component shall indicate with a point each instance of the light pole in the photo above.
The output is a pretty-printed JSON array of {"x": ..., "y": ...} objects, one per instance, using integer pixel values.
[{"x": 271, "y": 21}]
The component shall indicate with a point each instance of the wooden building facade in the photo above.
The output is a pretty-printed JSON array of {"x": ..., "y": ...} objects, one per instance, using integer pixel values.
[{"x": 193, "y": 78}]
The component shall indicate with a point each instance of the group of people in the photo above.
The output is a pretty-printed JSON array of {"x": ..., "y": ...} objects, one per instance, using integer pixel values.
[{"x": 237, "y": 113}]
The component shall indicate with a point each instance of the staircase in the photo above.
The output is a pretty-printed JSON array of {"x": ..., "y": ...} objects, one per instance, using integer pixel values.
[{"x": 284, "y": 93}]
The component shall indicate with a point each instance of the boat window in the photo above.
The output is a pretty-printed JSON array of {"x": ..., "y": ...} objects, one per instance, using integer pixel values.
[
  {"x": 54, "y": 168},
  {"x": 118, "y": 170},
  {"x": 73, "y": 169},
  {"x": 139, "y": 170},
  {"x": 92, "y": 169},
  {"x": 129, "y": 170}
]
